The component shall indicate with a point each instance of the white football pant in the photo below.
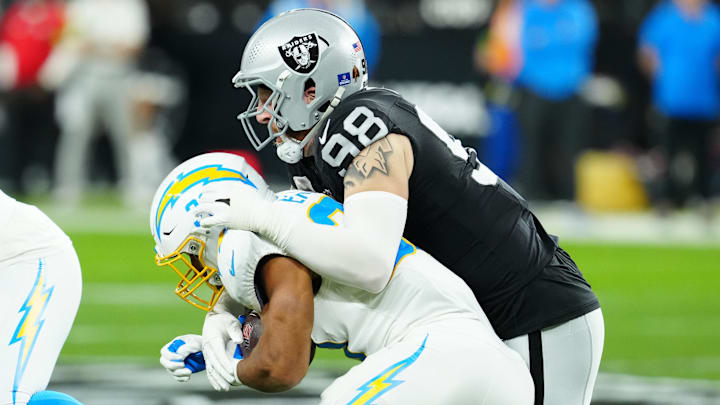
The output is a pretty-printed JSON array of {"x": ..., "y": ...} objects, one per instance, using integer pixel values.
[
  {"x": 40, "y": 293},
  {"x": 564, "y": 358},
  {"x": 448, "y": 362}
]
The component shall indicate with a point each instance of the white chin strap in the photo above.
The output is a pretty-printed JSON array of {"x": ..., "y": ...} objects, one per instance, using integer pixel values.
[{"x": 290, "y": 150}]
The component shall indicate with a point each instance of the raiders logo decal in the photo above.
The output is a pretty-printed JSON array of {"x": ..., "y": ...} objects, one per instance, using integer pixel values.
[{"x": 301, "y": 53}]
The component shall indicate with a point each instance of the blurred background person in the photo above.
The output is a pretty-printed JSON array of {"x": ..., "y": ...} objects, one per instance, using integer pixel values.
[
  {"x": 498, "y": 54},
  {"x": 557, "y": 40},
  {"x": 679, "y": 50},
  {"x": 91, "y": 66},
  {"x": 28, "y": 30},
  {"x": 158, "y": 102}
]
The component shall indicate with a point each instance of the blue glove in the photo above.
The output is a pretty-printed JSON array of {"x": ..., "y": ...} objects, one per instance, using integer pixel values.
[
  {"x": 173, "y": 355},
  {"x": 195, "y": 362}
]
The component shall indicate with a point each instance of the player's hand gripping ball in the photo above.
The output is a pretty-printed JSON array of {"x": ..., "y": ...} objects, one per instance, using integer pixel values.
[{"x": 252, "y": 330}]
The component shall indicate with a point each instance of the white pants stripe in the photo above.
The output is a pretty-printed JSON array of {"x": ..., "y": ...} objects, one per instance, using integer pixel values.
[{"x": 571, "y": 355}]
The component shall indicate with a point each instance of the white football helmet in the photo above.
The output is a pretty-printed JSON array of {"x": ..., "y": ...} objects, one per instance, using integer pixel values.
[
  {"x": 288, "y": 54},
  {"x": 179, "y": 241}
]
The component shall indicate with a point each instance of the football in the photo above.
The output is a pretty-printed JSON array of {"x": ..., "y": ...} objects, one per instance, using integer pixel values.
[{"x": 252, "y": 330}]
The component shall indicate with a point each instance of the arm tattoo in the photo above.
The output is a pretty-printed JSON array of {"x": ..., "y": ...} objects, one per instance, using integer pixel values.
[{"x": 372, "y": 159}]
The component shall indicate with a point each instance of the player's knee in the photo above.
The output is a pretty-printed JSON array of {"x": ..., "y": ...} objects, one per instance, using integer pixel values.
[{"x": 52, "y": 398}]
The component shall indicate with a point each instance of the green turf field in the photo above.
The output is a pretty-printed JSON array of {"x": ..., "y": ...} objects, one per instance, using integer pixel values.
[{"x": 661, "y": 306}]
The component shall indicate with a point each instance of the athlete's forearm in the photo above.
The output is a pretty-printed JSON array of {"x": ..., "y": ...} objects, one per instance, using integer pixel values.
[
  {"x": 282, "y": 356},
  {"x": 271, "y": 366}
]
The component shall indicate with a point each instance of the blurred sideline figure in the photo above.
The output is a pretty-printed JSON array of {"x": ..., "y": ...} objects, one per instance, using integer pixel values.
[
  {"x": 679, "y": 49},
  {"x": 91, "y": 65},
  {"x": 158, "y": 100},
  {"x": 497, "y": 53},
  {"x": 424, "y": 328},
  {"x": 399, "y": 174},
  {"x": 501, "y": 53},
  {"x": 40, "y": 288},
  {"x": 27, "y": 33},
  {"x": 28, "y": 30},
  {"x": 557, "y": 41}
]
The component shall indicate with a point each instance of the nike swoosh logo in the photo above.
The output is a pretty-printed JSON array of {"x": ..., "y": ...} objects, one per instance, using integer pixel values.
[
  {"x": 232, "y": 264},
  {"x": 169, "y": 232},
  {"x": 323, "y": 138}
]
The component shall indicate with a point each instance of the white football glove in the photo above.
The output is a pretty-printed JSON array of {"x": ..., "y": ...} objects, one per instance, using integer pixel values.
[
  {"x": 246, "y": 209},
  {"x": 241, "y": 208},
  {"x": 173, "y": 354},
  {"x": 220, "y": 382},
  {"x": 220, "y": 327}
]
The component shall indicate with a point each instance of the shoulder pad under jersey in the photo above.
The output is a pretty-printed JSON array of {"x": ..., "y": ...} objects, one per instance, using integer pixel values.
[
  {"x": 239, "y": 253},
  {"x": 358, "y": 121}
]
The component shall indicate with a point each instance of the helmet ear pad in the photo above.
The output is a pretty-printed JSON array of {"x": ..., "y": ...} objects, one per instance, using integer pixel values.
[{"x": 301, "y": 111}]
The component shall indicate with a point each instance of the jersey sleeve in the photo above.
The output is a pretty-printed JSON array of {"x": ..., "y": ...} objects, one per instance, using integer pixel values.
[
  {"x": 239, "y": 253},
  {"x": 353, "y": 126}
]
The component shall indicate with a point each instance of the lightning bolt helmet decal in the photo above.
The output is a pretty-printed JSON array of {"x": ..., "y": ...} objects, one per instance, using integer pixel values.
[{"x": 202, "y": 175}]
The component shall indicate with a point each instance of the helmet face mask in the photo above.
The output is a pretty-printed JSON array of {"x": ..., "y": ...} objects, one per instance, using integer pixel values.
[
  {"x": 287, "y": 52},
  {"x": 196, "y": 285},
  {"x": 271, "y": 105}
]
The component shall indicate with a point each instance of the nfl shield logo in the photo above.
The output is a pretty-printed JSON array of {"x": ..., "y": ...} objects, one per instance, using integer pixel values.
[{"x": 301, "y": 53}]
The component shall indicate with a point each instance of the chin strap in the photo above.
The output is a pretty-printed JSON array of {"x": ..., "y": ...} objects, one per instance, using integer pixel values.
[{"x": 291, "y": 150}]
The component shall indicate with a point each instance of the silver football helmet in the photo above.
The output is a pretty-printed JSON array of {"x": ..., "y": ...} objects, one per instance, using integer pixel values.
[{"x": 288, "y": 54}]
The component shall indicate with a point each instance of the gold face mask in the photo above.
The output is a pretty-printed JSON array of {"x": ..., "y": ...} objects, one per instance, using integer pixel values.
[{"x": 194, "y": 286}]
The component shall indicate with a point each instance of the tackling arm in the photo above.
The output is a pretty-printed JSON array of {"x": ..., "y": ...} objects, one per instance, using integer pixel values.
[
  {"x": 361, "y": 253},
  {"x": 282, "y": 356}
]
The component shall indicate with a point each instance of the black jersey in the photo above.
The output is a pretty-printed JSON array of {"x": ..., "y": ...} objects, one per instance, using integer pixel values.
[{"x": 458, "y": 211}]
